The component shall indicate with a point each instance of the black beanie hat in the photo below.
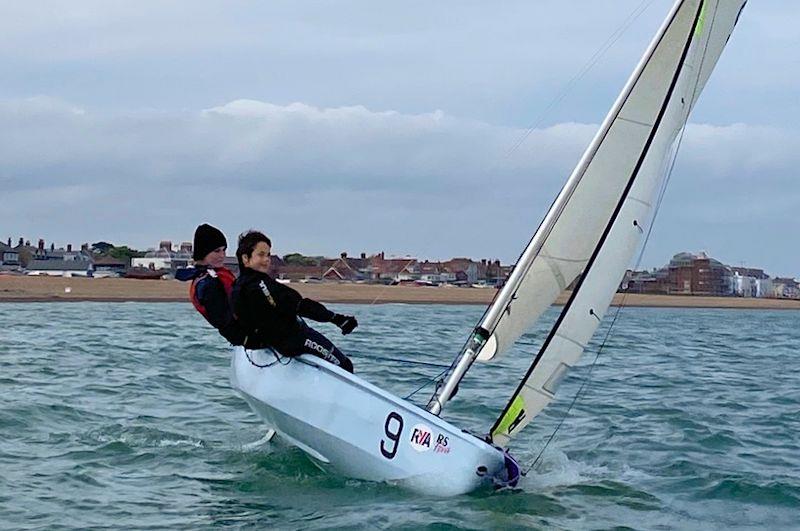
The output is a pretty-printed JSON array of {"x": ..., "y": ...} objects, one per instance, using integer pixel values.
[{"x": 206, "y": 239}]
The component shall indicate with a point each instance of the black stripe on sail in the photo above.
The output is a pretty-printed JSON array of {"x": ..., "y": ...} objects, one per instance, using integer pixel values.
[
  {"x": 513, "y": 295},
  {"x": 614, "y": 215}
]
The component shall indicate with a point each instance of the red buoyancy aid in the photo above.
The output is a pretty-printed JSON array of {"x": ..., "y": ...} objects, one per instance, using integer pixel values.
[{"x": 224, "y": 275}]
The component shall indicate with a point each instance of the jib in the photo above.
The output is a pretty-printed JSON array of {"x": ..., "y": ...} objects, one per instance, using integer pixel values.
[{"x": 421, "y": 437}]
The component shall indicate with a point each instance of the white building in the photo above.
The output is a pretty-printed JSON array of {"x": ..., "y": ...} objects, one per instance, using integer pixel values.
[
  {"x": 164, "y": 257},
  {"x": 742, "y": 285}
]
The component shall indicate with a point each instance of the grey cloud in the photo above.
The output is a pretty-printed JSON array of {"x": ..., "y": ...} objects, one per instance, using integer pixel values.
[
  {"x": 256, "y": 145},
  {"x": 324, "y": 180}
]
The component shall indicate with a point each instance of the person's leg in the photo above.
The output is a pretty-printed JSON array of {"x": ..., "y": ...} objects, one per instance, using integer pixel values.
[{"x": 322, "y": 347}]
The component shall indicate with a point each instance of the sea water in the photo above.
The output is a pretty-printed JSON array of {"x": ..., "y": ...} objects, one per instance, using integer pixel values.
[{"x": 120, "y": 415}]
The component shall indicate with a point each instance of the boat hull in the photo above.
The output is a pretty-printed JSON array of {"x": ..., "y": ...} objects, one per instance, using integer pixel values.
[{"x": 360, "y": 430}]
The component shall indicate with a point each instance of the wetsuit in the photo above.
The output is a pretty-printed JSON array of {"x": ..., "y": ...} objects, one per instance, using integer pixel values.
[
  {"x": 210, "y": 293},
  {"x": 270, "y": 313}
]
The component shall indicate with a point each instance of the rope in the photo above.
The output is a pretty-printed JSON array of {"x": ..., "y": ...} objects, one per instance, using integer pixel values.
[
  {"x": 426, "y": 384},
  {"x": 410, "y": 362},
  {"x": 383, "y": 290},
  {"x": 612, "y": 39},
  {"x": 278, "y": 359},
  {"x": 598, "y": 54},
  {"x": 621, "y": 305}
]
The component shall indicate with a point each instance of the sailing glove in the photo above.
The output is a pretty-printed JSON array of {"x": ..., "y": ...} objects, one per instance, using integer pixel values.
[{"x": 347, "y": 323}]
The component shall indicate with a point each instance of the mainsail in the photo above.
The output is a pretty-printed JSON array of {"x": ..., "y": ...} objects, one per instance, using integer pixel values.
[{"x": 597, "y": 221}]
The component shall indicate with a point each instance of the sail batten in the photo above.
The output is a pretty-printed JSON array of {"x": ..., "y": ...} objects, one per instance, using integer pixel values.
[
  {"x": 553, "y": 338},
  {"x": 610, "y": 197},
  {"x": 523, "y": 284}
]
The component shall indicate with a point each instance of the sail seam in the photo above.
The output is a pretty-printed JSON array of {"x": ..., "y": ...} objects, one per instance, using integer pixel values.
[
  {"x": 637, "y": 122},
  {"x": 560, "y": 259},
  {"x": 556, "y": 271},
  {"x": 573, "y": 341},
  {"x": 617, "y": 210},
  {"x": 508, "y": 293}
]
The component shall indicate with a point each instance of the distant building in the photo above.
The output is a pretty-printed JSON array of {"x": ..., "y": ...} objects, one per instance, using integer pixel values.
[
  {"x": 699, "y": 274},
  {"x": 751, "y": 282},
  {"x": 393, "y": 269},
  {"x": 653, "y": 282},
  {"x": 61, "y": 268},
  {"x": 299, "y": 272},
  {"x": 785, "y": 288},
  {"x": 9, "y": 258},
  {"x": 107, "y": 266},
  {"x": 342, "y": 269},
  {"x": 164, "y": 258},
  {"x": 466, "y": 267}
]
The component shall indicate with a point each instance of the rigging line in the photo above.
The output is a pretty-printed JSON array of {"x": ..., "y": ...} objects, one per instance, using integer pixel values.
[
  {"x": 411, "y": 362},
  {"x": 656, "y": 210},
  {"x": 598, "y": 54},
  {"x": 625, "y": 193},
  {"x": 635, "y": 14},
  {"x": 427, "y": 383},
  {"x": 278, "y": 359},
  {"x": 382, "y": 291}
]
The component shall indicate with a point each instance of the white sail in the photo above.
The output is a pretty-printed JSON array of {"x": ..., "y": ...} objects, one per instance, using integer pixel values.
[{"x": 599, "y": 218}]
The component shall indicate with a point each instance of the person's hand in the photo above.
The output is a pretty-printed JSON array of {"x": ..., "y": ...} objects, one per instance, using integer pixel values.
[{"x": 347, "y": 323}]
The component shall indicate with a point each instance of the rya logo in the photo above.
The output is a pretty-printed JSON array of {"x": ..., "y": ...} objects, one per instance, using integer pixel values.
[{"x": 421, "y": 438}]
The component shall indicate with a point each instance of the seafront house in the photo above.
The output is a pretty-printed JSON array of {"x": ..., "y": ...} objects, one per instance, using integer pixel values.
[
  {"x": 751, "y": 282},
  {"x": 61, "y": 262},
  {"x": 785, "y": 288},
  {"x": 108, "y": 266},
  {"x": 165, "y": 258},
  {"x": 698, "y": 274},
  {"x": 9, "y": 258},
  {"x": 344, "y": 269},
  {"x": 39, "y": 260}
]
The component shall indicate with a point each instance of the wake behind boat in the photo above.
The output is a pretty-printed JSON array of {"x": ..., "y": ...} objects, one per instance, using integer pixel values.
[{"x": 589, "y": 236}]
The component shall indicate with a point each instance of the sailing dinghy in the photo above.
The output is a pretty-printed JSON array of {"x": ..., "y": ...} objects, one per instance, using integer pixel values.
[{"x": 590, "y": 233}]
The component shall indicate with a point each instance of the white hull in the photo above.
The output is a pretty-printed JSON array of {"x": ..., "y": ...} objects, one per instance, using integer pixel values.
[{"x": 360, "y": 430}]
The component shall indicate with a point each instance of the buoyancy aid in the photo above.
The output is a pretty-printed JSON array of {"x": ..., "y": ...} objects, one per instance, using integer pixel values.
[{"x": 225, "y": 277}]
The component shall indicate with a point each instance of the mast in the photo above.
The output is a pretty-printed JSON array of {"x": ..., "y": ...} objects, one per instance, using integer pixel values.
[
  {"x": 505, "y": 298},
  {"x": 604, "y": 203}
]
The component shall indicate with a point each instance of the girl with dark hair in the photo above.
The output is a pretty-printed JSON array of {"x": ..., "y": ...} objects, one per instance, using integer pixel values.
[{"x": 271, "y": 312}]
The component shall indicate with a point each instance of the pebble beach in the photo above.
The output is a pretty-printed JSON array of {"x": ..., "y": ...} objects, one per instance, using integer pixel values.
[{"x": 60, "y": 289}]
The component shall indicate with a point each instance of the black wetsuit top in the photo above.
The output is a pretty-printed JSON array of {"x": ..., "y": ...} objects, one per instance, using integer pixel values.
[{"x": 269, "y": 311}]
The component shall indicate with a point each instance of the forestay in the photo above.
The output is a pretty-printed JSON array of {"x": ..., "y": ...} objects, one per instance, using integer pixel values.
[{"x": 598, "y": 220}]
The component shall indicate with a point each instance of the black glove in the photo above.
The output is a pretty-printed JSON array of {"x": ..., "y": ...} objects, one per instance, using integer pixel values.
[{"x": 347, "y": 323}]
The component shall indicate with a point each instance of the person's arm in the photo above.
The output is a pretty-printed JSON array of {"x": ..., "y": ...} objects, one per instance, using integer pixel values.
[
  {"x": 211, "y": 294},
  {"x": 313, "y": 310}
]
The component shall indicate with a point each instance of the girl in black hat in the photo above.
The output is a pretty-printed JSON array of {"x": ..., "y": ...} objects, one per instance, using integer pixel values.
[{"x": 212, "y": 283}]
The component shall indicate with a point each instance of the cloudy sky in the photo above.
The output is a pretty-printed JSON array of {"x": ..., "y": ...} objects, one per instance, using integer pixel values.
[{"x": 364, "y": 127}]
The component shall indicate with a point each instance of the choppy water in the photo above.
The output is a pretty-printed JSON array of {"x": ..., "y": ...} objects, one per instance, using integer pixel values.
[{"x": 121, "y": 416}]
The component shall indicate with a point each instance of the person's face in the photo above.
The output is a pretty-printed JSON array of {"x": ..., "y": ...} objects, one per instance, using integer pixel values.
[
  {"x": 216, "y": 257},
  {"x": 259, "y": 260}
]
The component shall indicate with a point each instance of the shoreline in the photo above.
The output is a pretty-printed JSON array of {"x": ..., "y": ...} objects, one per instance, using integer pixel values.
[{"x": 76, "y": 289}]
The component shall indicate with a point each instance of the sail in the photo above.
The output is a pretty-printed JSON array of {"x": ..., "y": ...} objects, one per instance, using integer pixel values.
[{"x": 596, "y": 227}]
